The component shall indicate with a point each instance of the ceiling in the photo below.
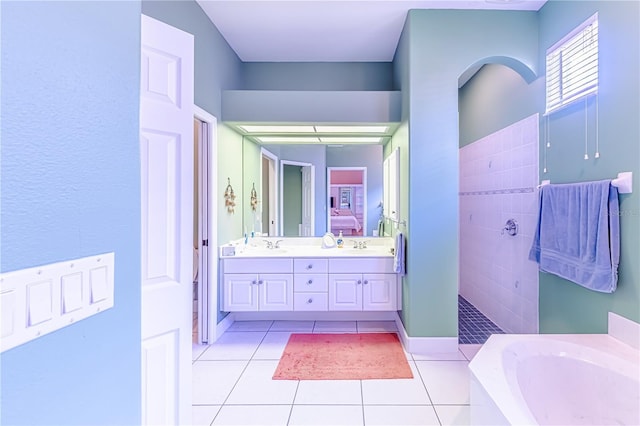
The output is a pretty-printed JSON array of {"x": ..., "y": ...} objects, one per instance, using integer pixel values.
[{"x": 326, "y": 30}]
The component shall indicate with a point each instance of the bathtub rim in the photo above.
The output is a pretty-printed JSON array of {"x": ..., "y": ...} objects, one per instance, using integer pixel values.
[{"x": 489, "y": 370}]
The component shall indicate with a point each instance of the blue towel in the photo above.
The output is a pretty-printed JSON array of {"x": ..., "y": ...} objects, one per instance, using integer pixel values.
[
  {"x": 399, "y": 261},
  {"x": 578, "y": 234}
]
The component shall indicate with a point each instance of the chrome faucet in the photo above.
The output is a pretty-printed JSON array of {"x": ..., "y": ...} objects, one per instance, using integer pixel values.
[
  {"x": 269, "y": 244},
  {"x": 278, "y": 243}
]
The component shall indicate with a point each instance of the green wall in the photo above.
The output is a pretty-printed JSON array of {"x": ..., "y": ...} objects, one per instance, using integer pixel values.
[
  {"x": 251, "y": 167},
  {"x": 564, "y": 306},
  {"x": 230, "y": 162},
  {"x": 496, "y": 97},
  {"x": 437, "y": 46}
]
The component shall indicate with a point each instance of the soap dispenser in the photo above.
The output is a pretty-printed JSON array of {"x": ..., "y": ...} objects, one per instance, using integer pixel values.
[{"x": 340, "y": 241}]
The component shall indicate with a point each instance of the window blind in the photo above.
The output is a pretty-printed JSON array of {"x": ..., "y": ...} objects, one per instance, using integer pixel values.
[{"x": 572, "y": 66}]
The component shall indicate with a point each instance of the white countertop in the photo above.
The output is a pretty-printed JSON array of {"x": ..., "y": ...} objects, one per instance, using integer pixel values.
[{"x": 308, "y": 247}]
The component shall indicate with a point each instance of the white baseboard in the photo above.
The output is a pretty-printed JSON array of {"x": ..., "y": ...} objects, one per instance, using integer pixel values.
[
  {"x": 315, "y": 316},
  {"x": 425, "y": 345},
  {"x": 222, "y": 326}
]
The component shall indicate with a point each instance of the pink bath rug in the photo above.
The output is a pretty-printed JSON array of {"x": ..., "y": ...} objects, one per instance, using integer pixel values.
[{"x": 343, "y": 357}]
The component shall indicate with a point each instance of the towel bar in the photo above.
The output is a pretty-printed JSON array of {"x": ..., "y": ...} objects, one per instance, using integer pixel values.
[{"x": 624, "y": 183}]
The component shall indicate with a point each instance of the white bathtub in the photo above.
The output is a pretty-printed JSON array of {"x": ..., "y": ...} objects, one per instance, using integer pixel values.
[{"x": 588, "y": 379}]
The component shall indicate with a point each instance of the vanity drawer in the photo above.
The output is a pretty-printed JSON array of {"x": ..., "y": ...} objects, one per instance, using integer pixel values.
[
  {"x": 310, "y": 282},
  {"x": 258, "y": 266},
  {"x": 310, "y": 265},
  {"x": 377, "y": 265},
  {"x": 310, "y": 301}
]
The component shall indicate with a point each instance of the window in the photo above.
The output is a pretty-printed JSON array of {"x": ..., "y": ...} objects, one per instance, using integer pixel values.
[{"x": 572, "y": 66}]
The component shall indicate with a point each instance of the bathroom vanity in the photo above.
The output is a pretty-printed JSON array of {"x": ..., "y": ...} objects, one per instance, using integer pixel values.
[{"x": 297, "y": 274}]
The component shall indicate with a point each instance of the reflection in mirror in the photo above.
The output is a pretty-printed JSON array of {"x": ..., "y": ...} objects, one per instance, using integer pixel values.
[
  {"x": 347, "y": 200},
  {"x": 262, "y": 165}
]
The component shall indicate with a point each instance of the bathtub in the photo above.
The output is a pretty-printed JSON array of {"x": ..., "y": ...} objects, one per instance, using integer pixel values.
[{"x": 584, "y": 379}]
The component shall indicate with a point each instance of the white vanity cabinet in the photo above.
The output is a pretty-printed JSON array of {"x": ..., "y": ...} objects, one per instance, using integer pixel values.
[
  {"x": 374, "y": 289},
  {"x": 257, "y": 285},
  {"x": 309, "y": 284}
]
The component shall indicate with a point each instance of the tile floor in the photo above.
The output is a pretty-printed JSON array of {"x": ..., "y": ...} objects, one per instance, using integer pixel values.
[
  {"x": 473, "y": 326},
  {"x": 232, "y": 383}
]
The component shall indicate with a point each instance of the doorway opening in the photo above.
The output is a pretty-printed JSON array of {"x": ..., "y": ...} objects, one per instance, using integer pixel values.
[
  {"x": 297, "y": 200},
  {"x": 205, "y": 282},
  {"x": 269, "y": 203},
  {"x": 347, "y": 200}
]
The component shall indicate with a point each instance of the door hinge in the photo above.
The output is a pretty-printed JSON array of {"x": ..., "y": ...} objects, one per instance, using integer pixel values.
[{"x": 205, "y": 243}]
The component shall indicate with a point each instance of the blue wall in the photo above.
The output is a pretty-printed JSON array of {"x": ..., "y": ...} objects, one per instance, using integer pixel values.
[
  {"x": 318, "y": 76},
  {"x": 71, "y": 188}
]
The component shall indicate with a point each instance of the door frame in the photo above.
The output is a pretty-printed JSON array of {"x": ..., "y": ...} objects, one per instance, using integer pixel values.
[
  {"x": 365, "y": 190},
  {"x": 208, "y": 258},
  {"x": 281, "y": 193},
  {"x": 272, "y": 203}
]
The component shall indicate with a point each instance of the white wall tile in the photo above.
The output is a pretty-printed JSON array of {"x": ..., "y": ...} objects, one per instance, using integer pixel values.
[{"x": 490, "y": 262}]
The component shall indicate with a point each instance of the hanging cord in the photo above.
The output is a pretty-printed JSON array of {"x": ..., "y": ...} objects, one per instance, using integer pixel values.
[
  {"x": 586, "y": 134},
  {"x": 547, "y": 143},
  {"x": 597, "y": 154}
]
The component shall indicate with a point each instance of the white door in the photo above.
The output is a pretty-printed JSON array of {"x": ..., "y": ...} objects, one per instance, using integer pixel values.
[
  {"x": 275, "y": 292},
  {"x": 379, "y": 292},
  {"x": 307, "y": 201},
  {"x": 166, "y": 148},
  {"x": 345, "y": 292}
]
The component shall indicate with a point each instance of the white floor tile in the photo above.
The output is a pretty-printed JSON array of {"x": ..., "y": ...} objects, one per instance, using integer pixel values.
[
  {"x": 454, "y": 414},
  {"x": 445, "y": 356},
  {"x": 400, "y": 415},
  {"x": 272, "y": 345},
  {"x": 336, "y": 392},
  {"x": 446, "y": 381},
  {"x": 470, "y": 350},
  {"x": 256, "y": 386},
  {"x": 253, "y": 415},
  {"x": 197, "y": 350},
  {"x": 297, "y": 326},
  {"x": 233, "y": 345},
  {"x": 202, "y": 415},
  {"x": 377, "y": 326},
  {"x": 396, "y": 391},
  {"x": 335, "y": 327},
  {"x": 250, "y": 326},
  {"x": 213, "y": 380},
  {"x": 326, "y": 415}
]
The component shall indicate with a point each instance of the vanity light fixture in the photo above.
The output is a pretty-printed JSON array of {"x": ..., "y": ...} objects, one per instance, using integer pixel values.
[
  {"x": 277, "y": 129},
  {"x": 288, "y": 139},
  {"x": 352, "y": 129},
  {"x": 350, "y": 139}
]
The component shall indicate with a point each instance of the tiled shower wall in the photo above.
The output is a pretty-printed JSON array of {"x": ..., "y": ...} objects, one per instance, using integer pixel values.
[{"x": 498, "y": 179}]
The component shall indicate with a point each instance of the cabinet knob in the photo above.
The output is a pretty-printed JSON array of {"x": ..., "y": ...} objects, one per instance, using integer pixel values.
[
  {"x": 310, "y": 300},
  {"x": 359, "y": 281},
  {"x": 260, "y": 282},
  {"x": 366, "y": 281},
  {"x": 254, "y": 282},
  {"x": 310, "y": 282},
  {"x": 310, "y": 266}
]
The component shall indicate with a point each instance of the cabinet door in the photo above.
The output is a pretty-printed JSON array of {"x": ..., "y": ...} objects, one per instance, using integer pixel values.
[
  {"x": 379, "y": 292},
  {"x": 275, "y": 292},
  {"x": 345, "y": 292},
  {"x": 240, "y": 292}
]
